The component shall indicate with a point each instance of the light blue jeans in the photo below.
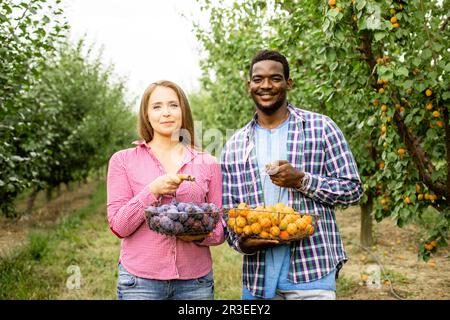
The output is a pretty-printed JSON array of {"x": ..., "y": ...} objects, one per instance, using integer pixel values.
[
  {"x": 295, "y": 295},
  {"x": 131, "y": 287}
]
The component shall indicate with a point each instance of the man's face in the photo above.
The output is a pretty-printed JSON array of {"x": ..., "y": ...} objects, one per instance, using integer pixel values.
[{"x": 268, "y": 87}]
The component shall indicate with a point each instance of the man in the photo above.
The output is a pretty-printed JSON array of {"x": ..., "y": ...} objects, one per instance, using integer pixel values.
[{"x": 316, "y": 171}]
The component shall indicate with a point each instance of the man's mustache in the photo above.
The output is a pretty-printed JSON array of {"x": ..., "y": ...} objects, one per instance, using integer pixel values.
[{"x": 261, "y": 93}]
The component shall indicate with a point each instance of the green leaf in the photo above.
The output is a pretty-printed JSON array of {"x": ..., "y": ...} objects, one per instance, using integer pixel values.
[
  {"x": 372, "y": 120},
  {"x": 339, "y": 35},
  {"x": 446, "y": 95},
  {"x": 402, "y": 71},
  {"x": 360, "y": 4},
  {"x": 408, "y": 118},
  {"x": 379, "y": 35},
  {"x": 416, "y": 62},
  {"x": 374, "y": 19},
  {"x": 426, "y": 54},
  {"x": 385, "y": 72},
  {"x": 407, "y": 84},
  {"x": 435, "y": 176},
  {"x": 431, "y": 134},
  {"x": 334, "y": 66},
  {"x": 437, "y": 46},
  {"x": 326, "y": 24},
  {"x": 331, "y": 54},
  {"x": 420, "y": 86}
]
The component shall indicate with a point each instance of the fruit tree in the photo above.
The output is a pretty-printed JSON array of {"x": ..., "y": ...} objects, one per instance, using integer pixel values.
[{"x": 378, "y": 68}]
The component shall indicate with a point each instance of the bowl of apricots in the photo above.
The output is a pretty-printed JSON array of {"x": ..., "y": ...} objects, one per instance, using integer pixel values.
[{"x": 279, "y": 222}]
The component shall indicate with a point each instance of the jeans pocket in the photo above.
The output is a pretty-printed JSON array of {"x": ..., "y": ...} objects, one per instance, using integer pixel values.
[
  {"x": 126, "y": 279},
  {"x": 207, "y": 280}
]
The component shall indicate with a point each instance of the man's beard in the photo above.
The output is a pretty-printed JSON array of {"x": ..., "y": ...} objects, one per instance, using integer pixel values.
[{"x": 270, "y": 110}]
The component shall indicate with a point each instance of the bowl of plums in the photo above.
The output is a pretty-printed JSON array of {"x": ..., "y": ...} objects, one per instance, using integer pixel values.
[{"x": 183, "y": 218}]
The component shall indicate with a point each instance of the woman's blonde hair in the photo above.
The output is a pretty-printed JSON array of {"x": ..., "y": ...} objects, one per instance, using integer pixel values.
[{"x": 187, "y": 125}]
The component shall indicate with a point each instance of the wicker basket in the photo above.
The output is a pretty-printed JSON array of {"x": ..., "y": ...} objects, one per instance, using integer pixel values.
[
  {"x": 179, "y": 218},
  {"x": 260, "y": 223}
]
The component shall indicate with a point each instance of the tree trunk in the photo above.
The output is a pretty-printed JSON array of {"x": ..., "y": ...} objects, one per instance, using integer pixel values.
[
  {"x": 31, "y": 200},
  {"x": 366, "y": 221}
]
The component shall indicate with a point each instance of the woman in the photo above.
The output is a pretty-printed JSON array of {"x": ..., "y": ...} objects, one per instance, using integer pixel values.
[{"x": 152, "y": 265}]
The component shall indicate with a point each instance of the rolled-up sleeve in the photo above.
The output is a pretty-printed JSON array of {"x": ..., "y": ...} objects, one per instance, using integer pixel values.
[{"x": 341, "y": 184}]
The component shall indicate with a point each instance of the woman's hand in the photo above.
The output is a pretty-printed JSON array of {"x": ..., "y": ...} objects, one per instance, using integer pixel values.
[{"x": 166, "y": 184}]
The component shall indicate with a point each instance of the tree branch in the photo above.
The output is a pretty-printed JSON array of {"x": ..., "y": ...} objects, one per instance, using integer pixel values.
[
  {"x": 420, "y": 158},
  {"x": 412, "y": 142},
  {"x": 447, "y": 140},
  {"x": 444, "y": 25},
  {"x": 23, "y": 14},
  {"x": 430, "y": 38},
  {"x": 366, "y": 49}
]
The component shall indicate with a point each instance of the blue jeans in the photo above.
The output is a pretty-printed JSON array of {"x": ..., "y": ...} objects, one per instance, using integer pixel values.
[
  {"x": 131, "y": 287},
  {"x": 295, "y": 295}
]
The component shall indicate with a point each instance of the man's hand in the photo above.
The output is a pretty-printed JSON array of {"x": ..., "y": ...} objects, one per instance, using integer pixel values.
[
  {"x": 287, "y": 176},
  {"x": 250, "y": 245}
]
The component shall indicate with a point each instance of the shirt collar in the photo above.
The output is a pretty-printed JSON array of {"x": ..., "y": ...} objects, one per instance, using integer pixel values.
[
  {"x": 296, "y": 112},
  {"x": 191, "y": 151}
]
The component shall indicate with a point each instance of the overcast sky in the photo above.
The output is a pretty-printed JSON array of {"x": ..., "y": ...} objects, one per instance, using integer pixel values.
[{"x": 146, "y": 40}]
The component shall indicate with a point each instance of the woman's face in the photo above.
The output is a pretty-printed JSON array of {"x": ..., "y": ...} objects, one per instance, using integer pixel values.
[{"x": 164, "y": 111}]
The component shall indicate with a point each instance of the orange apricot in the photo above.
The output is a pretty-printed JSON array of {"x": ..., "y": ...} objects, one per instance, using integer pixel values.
[
  {"x": 292, "y": 228},
  {"x": 274, "y": 231}
]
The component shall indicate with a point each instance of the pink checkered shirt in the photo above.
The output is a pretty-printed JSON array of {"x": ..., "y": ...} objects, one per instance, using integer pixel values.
[{"x": 146, "y": 253}]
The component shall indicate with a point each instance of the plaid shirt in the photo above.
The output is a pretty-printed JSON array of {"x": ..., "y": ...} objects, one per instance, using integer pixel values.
[{"x": 317, "y": 147}]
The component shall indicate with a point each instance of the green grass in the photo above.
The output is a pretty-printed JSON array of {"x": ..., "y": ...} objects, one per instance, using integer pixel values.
[
  {"x": 42, "y": 267},
  {"x": 39, "y": 269},
  {"x": 395, "y": 277},
  {"x": 227, "y": 267},
  {"x": 345, "y": 287}
]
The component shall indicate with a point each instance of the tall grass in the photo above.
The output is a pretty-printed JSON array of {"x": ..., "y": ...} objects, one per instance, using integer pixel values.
[
  {"x": 227, "y": 267},
  {"x": 37, "y": 269},
  {"x": 41, "y": 268}
]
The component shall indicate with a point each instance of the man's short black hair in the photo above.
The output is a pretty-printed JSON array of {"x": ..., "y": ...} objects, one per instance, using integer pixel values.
[{"x": 271, "y": 55}]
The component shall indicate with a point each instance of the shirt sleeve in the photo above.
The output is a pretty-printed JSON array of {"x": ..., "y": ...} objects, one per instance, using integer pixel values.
[
  {"x": 125, "y": 211},
  {"x": 215, "y": 196},
  {"x": 341, "y": 184}
]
